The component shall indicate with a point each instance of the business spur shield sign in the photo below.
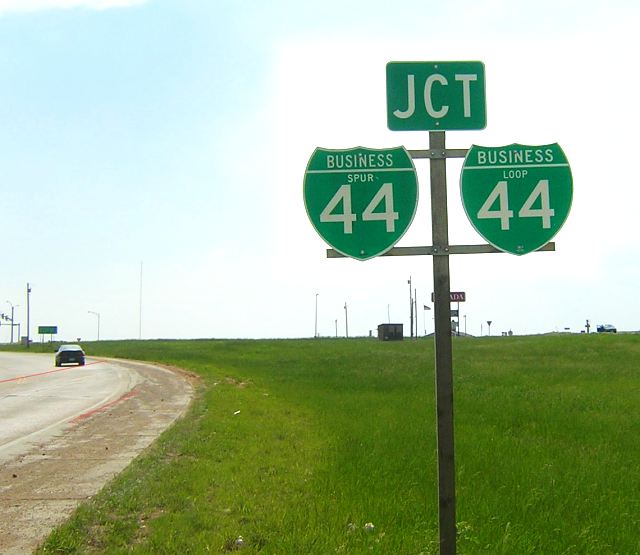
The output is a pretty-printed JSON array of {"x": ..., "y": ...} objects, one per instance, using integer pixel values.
[
  {"x": 361, "y": 200},
  {"x": 516, "y": 196}
]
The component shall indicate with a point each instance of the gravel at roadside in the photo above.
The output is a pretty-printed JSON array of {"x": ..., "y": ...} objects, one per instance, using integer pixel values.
[{"x": 40, "y": 489}]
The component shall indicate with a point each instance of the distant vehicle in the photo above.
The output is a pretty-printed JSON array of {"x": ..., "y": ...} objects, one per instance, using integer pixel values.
[
  {"x": 606, "y": 328},
  {"x": 69, "y": 353}
]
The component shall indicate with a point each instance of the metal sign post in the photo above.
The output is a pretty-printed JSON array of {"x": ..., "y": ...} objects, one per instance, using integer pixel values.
[{"x": 443, "y": 350}]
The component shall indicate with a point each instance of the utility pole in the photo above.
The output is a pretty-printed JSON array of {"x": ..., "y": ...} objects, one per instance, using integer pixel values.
[
  {"x": 140, "y": 320},
  {"x": 415, "y": 310},
  {"x": 346, "y": 320},
  {"x": 12, "y": 312},
  {"x": 410, "y": 308},
  {"x": 315, "y": 334},
  {"x": 28, "y": 316}
]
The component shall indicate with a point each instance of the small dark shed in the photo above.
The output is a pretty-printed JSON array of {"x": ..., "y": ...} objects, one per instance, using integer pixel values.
[{"x": 390, "y": 332}]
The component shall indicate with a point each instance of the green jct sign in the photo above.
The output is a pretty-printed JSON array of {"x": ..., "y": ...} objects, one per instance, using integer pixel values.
[
  {"x": 435, "y": 96},
  {"x": 517, "y": 196},
  {"x": 361, "y": 201}
]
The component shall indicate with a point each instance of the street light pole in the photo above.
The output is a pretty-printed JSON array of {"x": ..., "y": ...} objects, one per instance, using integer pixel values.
[{"x": 98, "y": 315}]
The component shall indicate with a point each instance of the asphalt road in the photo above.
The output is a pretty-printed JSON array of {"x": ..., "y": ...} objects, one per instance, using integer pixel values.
[
  {"x": 37, "y": 399},
  {"x": 65, "y": 432}
]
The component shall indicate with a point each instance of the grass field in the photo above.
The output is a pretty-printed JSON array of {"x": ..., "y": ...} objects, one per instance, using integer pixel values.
[{"x": 297, "y": 445}]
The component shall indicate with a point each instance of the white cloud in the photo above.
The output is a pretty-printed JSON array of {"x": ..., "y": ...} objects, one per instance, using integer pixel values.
[{"x": 36, "y": 5}]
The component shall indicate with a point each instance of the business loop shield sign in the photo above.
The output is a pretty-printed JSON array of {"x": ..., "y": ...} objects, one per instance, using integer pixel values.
[
  {"x": 517, "y": 196},
  {"x": 361, "y": 200}
]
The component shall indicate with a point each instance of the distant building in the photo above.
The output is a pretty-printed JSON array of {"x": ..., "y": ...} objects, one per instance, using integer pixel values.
[{"x": 390, "y": 332}]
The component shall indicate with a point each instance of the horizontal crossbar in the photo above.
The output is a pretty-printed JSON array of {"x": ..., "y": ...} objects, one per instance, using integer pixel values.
[
  {"x": 439, "y": 153},
  {"x": 440, "y": 251}
]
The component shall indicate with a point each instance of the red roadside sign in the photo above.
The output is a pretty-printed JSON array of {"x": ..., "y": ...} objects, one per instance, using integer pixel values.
[{"x": 455, "y": 296}]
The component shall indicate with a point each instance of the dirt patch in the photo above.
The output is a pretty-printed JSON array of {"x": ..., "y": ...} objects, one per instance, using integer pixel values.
[
  {"x": 39, "y": 490},
  {"x": 237, "y": 383}
]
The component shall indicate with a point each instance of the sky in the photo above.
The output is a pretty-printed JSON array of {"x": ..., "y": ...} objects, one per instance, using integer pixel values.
[{"x": 153, "y": 152}]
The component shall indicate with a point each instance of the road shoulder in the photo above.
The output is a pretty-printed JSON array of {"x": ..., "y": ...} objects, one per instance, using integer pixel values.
[{"x": 41, "y": 489}]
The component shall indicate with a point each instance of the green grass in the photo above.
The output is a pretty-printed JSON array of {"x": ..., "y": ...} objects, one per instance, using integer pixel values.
[{"x": 333, "y": 434}]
